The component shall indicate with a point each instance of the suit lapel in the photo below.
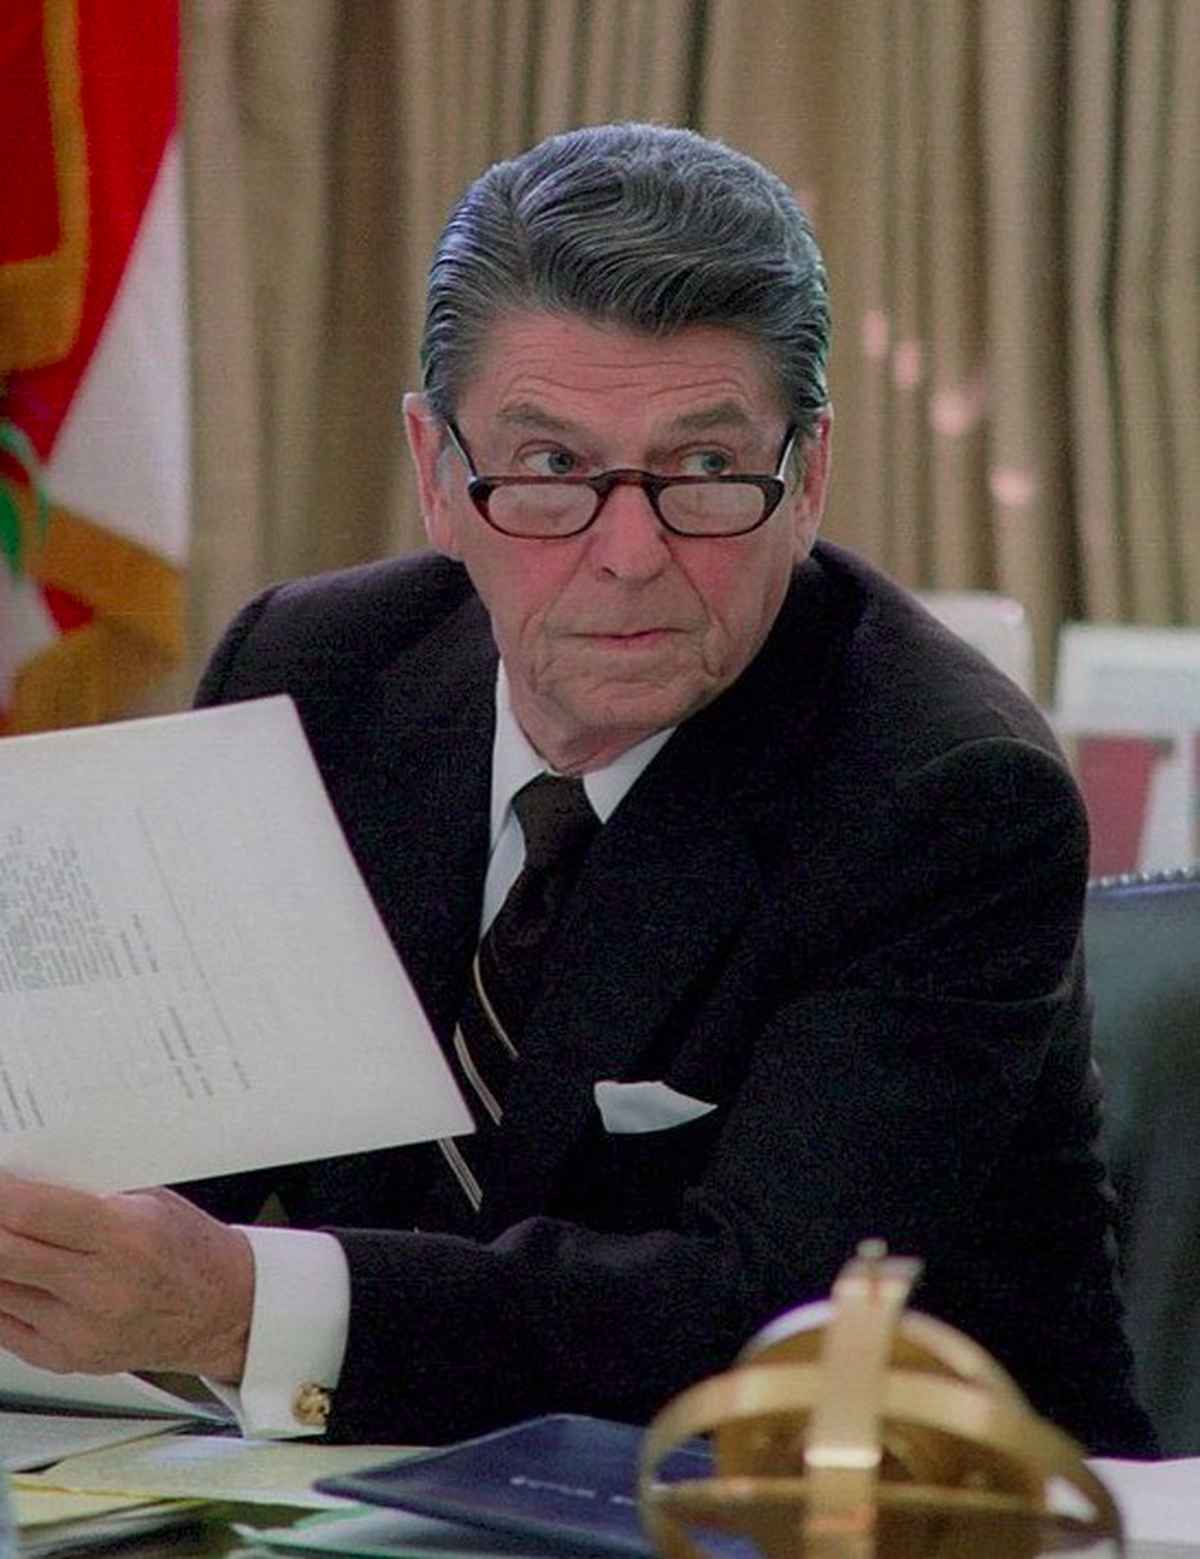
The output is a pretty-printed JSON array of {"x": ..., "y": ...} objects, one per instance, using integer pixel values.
[{"x": 416, "y": 808}]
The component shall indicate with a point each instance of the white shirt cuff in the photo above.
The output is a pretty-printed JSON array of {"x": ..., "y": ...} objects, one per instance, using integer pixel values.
[{"x": 297, "y": 1329}]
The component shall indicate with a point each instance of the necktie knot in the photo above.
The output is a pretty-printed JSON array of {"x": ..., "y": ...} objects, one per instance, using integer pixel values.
[{"x": 556, "y": 819}]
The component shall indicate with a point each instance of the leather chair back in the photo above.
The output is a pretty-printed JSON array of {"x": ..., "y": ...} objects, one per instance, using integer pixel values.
[{"x": 1142, "y": 934}]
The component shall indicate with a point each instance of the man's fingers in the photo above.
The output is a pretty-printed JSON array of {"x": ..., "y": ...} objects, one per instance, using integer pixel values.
[
  {"x": 22, "y": 1303},
  {"x": 20, "y": 1338},
  {"x": 34, "y": 1264},
  {"x": 29, "y": 1318},
  {"x": 141, "y": 1280},
  {"x": 37, "y": 1329},
  {"x": 53, "y": 1215}
]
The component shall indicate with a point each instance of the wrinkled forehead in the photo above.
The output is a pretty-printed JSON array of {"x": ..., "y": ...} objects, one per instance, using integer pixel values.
[{"x": 538, "y": 363}]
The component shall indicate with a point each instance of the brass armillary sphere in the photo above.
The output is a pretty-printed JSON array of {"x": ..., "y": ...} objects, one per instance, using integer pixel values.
[{"x": 855, "y": 1429}]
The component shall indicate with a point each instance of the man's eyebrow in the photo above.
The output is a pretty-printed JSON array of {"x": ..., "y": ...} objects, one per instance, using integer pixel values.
[
  {"x": 528, "y": 414},
  {"x": 722, "y": 414},
  {"x": 729, "y": 417}
]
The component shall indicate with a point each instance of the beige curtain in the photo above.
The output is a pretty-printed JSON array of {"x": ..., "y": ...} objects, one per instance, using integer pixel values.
[
  {"x": 1005, "y": 190},
  {"x": 1015, "y": 248}
]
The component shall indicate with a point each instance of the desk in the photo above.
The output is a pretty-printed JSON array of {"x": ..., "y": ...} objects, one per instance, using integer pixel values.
[
  {"x": 1161, "y": 1502},
  {"x": 214, "y": 1538}
]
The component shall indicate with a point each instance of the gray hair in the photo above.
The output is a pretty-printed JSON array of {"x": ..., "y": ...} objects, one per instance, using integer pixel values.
[{"x": 649, "y": 228}]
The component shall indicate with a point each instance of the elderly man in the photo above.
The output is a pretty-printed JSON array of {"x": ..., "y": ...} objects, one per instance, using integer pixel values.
[{"x": 780, "y": 947}]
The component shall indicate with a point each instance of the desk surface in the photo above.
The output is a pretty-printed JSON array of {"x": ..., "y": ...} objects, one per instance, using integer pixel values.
[
  {"x": 215, "y": 1538},
  {"x": 1160, "y": 1500}
]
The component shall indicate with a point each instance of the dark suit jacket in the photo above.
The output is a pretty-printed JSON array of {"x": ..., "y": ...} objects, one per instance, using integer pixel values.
[{"x": 842, "y": 904}]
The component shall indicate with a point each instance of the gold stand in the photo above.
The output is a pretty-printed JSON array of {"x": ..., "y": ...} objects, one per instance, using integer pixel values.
[{"x": 858, "y": 1430}]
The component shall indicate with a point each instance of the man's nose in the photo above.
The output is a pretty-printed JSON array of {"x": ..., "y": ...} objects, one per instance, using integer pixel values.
[{"x": 627, "y": 539}]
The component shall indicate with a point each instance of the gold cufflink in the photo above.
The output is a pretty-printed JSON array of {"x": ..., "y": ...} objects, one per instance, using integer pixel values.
[{"x": 311, "y": 1405}]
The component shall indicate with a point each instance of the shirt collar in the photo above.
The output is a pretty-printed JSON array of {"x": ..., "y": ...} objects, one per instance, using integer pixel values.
[{"x": 515, "y": 762}]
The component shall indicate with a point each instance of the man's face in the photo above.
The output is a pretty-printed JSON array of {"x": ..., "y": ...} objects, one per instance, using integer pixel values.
[{"x": 626, "y": 628}]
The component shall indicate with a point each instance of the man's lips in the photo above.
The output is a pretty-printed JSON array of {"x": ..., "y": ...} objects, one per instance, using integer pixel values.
[
  {"x": 626, "y": 635},
  {"x": 627, "y": 640}
]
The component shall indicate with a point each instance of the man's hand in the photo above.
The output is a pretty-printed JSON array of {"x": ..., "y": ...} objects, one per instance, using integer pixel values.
[{"x": 139, "y": 1281}]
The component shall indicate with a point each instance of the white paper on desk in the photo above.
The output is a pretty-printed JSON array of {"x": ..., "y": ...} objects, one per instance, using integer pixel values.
[
  {"x": 29, "y": 1440},
  {"x": 211, "y": 1467},
  {"x": 193, "y": 977},
  {"x": 124, "y": 1394},
  {"x": 48, "y": 1507}
]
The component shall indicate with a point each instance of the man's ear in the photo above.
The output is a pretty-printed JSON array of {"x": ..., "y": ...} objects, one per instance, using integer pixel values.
[
  {"x": 808, "y": 501},
  {"x": 427, "y": 441}
]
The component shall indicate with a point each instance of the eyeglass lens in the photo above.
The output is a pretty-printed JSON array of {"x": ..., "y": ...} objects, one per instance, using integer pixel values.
[{"x": 703, "y": 508}]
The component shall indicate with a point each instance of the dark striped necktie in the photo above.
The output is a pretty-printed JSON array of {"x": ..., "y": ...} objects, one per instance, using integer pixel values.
[{"x": 559, "y": 825}]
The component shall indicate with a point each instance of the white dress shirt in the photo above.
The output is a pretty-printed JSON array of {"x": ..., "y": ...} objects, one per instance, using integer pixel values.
[{"x": 301, "y": 1310}]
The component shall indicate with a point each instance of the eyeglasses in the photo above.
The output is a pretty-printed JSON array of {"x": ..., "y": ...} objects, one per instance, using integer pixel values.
[{"x": 550, "y": 508}]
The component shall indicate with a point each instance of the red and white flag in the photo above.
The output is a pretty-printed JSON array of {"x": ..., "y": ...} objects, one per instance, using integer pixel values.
[{"x": 93, "y": 357}]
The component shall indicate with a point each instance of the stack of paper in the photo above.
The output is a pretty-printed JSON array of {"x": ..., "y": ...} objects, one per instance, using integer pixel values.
[
  {"x": 51, "y": 1522},
  {"x": 124, "y": 1490},
  {"x": 30, "y": 1440}
]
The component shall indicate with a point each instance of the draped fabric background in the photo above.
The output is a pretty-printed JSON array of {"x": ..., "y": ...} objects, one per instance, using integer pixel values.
[{"x": 1006, "y": 193}]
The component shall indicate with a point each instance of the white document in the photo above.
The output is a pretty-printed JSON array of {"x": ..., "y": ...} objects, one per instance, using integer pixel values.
[
  {"x": 130, "y": 1395},
  {"x": 30, "y": 1439},
  {"x": 193, "y": 977}
]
